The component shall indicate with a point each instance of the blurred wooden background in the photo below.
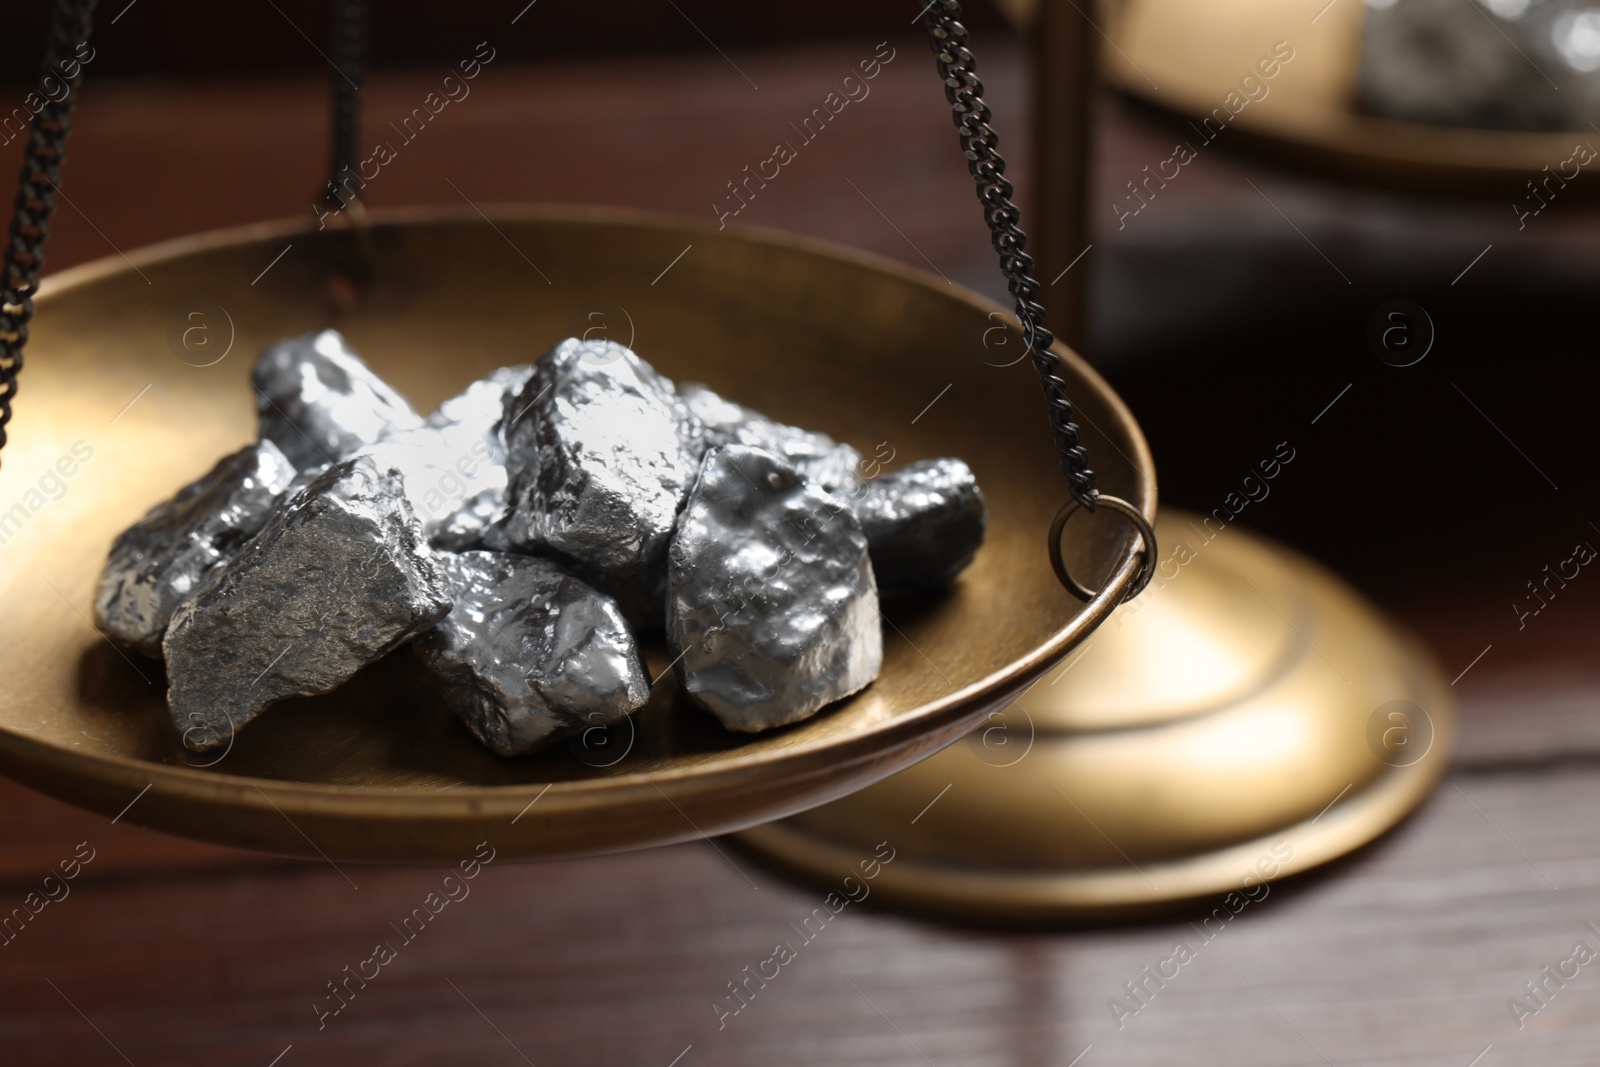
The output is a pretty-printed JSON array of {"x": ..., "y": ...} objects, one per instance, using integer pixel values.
[{"x": 188, "y": 38}]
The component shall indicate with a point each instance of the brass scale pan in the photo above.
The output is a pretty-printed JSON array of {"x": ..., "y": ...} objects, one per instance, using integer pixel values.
[{"x": 841, "y": 342}]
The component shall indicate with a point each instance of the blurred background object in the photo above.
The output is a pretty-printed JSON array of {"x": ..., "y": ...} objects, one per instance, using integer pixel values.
[
  {"x": 1432, "y": 98},
  {"x": 1493, "y": 65}
]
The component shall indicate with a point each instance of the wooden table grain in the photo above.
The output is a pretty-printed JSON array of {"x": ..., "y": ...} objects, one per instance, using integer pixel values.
[{"x": 1412, "y": 952}]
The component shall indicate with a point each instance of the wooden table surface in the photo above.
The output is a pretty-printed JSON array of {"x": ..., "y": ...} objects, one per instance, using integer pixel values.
[{"x": 169, "y": 953}]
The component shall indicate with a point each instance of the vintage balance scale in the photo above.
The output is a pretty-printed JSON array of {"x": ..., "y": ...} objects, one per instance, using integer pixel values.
[{"x": 1153, "y": 766}]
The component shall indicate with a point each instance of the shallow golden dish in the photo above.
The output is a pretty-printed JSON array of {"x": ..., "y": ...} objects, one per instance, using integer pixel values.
[{"x": 127, "y": 362}]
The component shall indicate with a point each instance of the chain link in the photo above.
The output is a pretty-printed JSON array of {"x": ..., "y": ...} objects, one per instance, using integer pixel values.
[
  {"x": 350, "y": 64},
  {"x": 958, "y": 70},
  {"x": 36, "y": 200}
]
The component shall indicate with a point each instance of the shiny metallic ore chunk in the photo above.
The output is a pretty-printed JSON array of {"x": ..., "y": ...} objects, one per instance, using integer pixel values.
[
  {"x": 923, "y": 523},
  {"x": 1498, "y": 63},
  {"x": 320, "y": 403},
  {"x": 530, "y": 654},
  {"x": 338, "y": 578},
  {"x": 600, "y": 453},
  {"x": 482, "y": 404},
  {"x": 480, "y": 408},
  {"x": 818, "y": 457},
  {"x": 453, "y": 468},
  {"x": 159, "y": 561},
  {"x": 772, "y": 610}
]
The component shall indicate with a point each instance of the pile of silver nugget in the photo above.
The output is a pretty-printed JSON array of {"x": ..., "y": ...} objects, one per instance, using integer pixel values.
[{"x": 520, "y": 539}]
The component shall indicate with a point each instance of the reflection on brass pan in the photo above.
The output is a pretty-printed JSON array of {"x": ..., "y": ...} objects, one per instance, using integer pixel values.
[
  {"x": 1208, "y": 62},
  {"x": 1247, "y": 717},
  {"x": 849, "y": 345}
]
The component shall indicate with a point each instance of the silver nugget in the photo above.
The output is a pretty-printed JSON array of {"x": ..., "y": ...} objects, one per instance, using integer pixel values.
[
  {"x": 453, "y": 467},
  {"x": 1494, "y": 64},
  {"x": 159, "y": 561},
  {"x": 818, "y": 457},
  {"x": 440, "y": 468},
  {"x": 530, "y": 654},
  {"x": 923, "y": 523},
  {"x": 600, "y": 453},
  {"x": 320, "y": 403},
  {"x": 478, "y": 413},
  {"x": 339, "y": 577},
  {"x": 772, "y": 611},
  {"x": 482, "y": 404}
]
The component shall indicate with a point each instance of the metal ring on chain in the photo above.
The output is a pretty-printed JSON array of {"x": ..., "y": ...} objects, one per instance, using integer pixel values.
[
  {"x": 1145, "y": 548},
  {"x": 964, "y": 91}
]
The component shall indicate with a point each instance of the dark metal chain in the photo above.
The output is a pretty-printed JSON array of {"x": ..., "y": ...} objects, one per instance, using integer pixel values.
[
  {"x": 962, "y": 88},
  {"x": 350, "y": 64},
  {"x": 36, "y": 200}
]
